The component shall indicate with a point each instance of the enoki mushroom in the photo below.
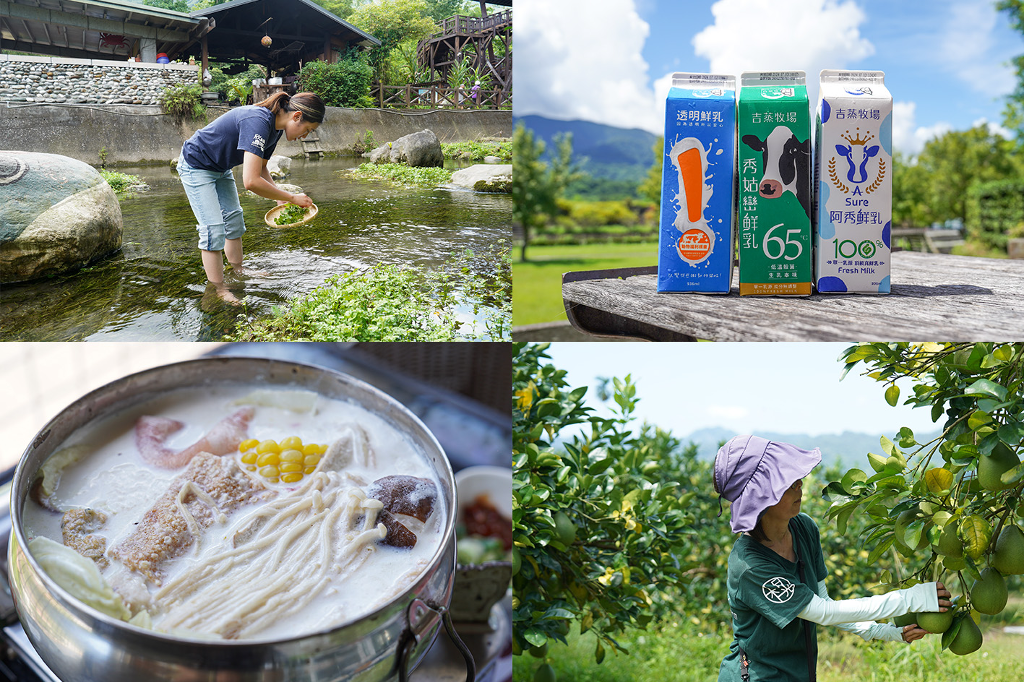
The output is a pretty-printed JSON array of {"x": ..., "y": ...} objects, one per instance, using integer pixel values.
[{"x": 289, "y": 550}]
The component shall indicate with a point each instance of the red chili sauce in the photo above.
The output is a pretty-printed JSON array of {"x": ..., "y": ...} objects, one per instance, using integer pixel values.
[{"x": 483, "y": 519}]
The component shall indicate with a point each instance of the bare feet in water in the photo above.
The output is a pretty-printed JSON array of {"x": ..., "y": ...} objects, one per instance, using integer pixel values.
[
  {"x": 241, "y": 271},
  {"x": 221, "y": 292}
]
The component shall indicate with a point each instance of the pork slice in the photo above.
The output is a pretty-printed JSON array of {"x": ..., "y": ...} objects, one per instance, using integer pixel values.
[{"x": 207, "y": 491}]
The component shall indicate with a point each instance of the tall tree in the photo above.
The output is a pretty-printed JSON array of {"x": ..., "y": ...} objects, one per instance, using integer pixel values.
[
  {"x": 442, "y": 9},
  {"x": 958, "y": 159},
  {"x": 536, "y": 185},
  {"x": 1013, "y": 115},
  {"x": 391, "y": 22},
  {"x": 650, "y": 188}
]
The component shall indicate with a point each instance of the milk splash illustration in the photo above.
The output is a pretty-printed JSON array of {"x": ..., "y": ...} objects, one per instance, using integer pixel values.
[{"x": 697, "y": 240}]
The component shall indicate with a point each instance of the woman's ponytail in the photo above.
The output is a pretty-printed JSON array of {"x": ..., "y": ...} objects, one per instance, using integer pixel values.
[{"x": 308, "y": 103}]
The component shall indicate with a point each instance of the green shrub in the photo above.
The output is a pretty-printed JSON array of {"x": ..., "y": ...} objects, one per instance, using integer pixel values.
[
  {"x": 593, "y": 213},
  {"x": 995, "y": 212},
  {"x": 121, "y": 182},
  {"x": 342, "y": 84},
  {"x": 183, "y": 102}
]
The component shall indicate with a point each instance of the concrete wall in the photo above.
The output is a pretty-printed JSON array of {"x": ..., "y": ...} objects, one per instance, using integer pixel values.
[{"x": 136, "y": 134}]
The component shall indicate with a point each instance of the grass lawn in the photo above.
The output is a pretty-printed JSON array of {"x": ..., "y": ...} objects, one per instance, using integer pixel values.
[
  {"x": 680, "y": 652},
  {"x": 537, "y": 284}
]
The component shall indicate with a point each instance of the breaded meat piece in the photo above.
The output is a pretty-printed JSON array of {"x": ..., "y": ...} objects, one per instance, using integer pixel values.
[
  {"x": 77, "y": 526},
  {"x": 207, "y": 491}
]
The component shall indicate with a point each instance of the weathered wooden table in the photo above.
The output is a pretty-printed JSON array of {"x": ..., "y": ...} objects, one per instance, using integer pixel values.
[{"x": 935, "y": 297}]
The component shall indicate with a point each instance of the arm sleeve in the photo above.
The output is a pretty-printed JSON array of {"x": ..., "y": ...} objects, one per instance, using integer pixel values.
[
  {"x": 866, "y": 630},
  {"x": 827, "y": 612},
  {"x": 254, "y": 135}
]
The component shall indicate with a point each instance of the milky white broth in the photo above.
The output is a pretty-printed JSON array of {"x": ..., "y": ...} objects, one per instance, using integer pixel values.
[{"x": 115, "y": 480}]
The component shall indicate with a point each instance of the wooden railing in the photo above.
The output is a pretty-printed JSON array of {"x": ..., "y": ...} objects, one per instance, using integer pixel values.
[
  {"x": 462, "y": 24},
  {"x": 435, "y": 96}
]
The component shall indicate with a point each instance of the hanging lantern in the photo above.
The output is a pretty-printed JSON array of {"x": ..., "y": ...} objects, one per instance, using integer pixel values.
[{"x": 266, "y": 40}]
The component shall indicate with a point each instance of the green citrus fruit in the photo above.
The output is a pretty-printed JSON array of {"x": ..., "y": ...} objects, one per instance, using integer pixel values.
[
  {"x": 904, "y": 620},
  {"x": 904, "y": 520},
  {"x": 968, "y": 639},
  {"x": 545, "y": 673},
  {"x": 1008, "y": 558},
  {"x": 991, "y": 467},
  {"x": 564, "y": 528},
  {"x": 949, "y": 544},
  {"x": 935, "y": 622},
  {"x": 989, "y": 592},
  {"x": 539, "y": 651}
]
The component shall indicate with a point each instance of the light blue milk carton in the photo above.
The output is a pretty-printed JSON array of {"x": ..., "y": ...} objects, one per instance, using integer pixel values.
[
  {"x": 853, "y": 173},
  {"x": 695, "y": 248}
]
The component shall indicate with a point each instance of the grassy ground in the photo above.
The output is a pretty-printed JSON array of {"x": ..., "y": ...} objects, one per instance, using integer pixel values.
[
  {"x": 537, "y": 284},
  {"x": 680, "y": 652}
]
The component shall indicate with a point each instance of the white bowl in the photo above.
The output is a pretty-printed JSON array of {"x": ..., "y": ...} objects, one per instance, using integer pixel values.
[{"x": 493, "y": 482}]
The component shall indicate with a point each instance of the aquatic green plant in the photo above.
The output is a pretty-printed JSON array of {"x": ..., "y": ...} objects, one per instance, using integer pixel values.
[
  {"x": 476, "y": 151},
  {"x": 291, "y": 214},
  {"x": 121, "y": 183},
  {"x": 401, "y": 174},
  {"x": 392, "y": 303}
]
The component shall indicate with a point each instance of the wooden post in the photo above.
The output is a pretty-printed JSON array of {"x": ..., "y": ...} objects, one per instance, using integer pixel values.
[
  {"x": 206, "y": 60},
  {"x": 328, "y": 52}
]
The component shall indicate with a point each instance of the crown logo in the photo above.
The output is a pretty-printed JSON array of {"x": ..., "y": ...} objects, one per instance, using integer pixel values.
[{"x": 857, "y": 139}]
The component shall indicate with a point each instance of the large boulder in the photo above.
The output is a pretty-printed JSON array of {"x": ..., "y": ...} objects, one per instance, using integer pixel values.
[
  {"x": 416, "y": 149},
  {"x": 279, "y": 166},
  {"x": 485, "y": 177},
  {"x": 56, "y": 215}
]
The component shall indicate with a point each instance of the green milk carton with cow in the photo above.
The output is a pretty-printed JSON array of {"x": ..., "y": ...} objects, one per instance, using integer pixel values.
[{"x": 774, "y": 171}]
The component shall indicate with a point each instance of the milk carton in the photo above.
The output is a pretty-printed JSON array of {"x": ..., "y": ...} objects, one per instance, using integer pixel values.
[
  {"x": 775, "y": 199},
  {"x": 695, "y": 244},
  {"x": 853, "y": 173}
]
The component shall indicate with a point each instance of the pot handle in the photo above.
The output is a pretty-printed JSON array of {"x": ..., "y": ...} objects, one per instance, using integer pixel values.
[{"x": 421, "y": 616}]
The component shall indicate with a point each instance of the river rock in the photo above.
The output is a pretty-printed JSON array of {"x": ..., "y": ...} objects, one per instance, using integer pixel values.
[
  {"x": 57, "y": 215},
  {"x": 279, "y": 166},
  {"x": 485, "y": 177},
  {"x": 416, "y": 149}
]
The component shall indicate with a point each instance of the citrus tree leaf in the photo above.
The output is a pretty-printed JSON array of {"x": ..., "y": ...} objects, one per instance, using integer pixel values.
[
  {"x": 939, "y": 480},
  {"x": 976, "y": 533},
  {"x": 987, "y": 387},
  {"x": 892, "y": 395}
]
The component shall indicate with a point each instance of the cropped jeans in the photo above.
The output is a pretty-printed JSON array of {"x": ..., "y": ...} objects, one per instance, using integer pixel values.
[{"x": 214, "y": 200}]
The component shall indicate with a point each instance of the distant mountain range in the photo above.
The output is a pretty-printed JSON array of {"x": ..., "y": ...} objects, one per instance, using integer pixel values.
[
  {"x": 610, "y": 152},
  {"x": 847, "y": 448}
]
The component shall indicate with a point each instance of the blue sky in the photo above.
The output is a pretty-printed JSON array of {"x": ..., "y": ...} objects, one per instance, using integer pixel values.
[
  {"x": 608, "y": 61},
  {"x": 745, "y": 387}
]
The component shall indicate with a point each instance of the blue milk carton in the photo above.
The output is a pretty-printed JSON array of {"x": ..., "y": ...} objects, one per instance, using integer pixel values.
[
  {"x": 697, "y": 185},
  {"x": 853, "y": 172}
]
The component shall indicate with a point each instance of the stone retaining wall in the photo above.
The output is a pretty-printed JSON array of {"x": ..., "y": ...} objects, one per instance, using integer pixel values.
[{"x": 87, "y": 81}]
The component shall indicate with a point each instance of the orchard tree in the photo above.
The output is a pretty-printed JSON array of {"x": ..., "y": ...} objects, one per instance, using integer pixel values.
[
  {"x": 597, "y": 529},
  {"x": 953, "y": 504},
  {"x": 1013, "y": 115},
  {"x": 536, "y": 184},
  {"x": 392, "y": 22}
]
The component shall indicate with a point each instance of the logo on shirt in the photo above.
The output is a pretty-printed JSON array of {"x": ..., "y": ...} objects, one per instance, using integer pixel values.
[
  {"x": 258, "y": 141},
  {"x": 778, "y": 590}
]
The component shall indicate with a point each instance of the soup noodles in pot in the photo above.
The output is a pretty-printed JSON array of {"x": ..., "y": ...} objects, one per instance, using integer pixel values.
[{"x": 236, "y": 512}]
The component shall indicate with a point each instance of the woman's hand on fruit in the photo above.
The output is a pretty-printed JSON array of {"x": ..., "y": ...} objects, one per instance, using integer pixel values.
[
  {"x": 944, "y": 595},
  {"x": 912, "y": 632}
]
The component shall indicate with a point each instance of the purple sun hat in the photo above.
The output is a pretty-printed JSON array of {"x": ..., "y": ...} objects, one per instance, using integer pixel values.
[{"x": 754, "y": 472}]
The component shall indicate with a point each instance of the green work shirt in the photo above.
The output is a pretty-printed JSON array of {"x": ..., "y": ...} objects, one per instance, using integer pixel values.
[{"x": 766, "y": 595}]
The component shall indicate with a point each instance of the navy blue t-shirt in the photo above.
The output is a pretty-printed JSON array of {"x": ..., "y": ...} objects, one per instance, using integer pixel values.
[{"x": 221, "y": 145}]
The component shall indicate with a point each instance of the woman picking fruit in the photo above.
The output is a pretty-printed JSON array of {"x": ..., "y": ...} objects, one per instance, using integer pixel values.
[
  {"x": 777, "y": 570},
  {"x": 246, "y": 136}
]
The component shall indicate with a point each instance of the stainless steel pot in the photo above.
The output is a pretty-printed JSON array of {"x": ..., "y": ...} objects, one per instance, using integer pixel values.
[{"x": 81, "y": 644}]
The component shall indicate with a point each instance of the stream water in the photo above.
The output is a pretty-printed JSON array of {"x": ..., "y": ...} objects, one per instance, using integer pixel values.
[{"x": 155, "y": 289}]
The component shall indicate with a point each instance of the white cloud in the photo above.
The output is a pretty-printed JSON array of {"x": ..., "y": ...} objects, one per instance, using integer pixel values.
[
  {"x": 580, "y": 59},
  {"x": 728, "y": 411},
  {"x": 994, "y": 128},
  {"x": 965, "y": 46},
  {"x": 907, "y": 136},
  {"x": 808, "y": 35}
]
